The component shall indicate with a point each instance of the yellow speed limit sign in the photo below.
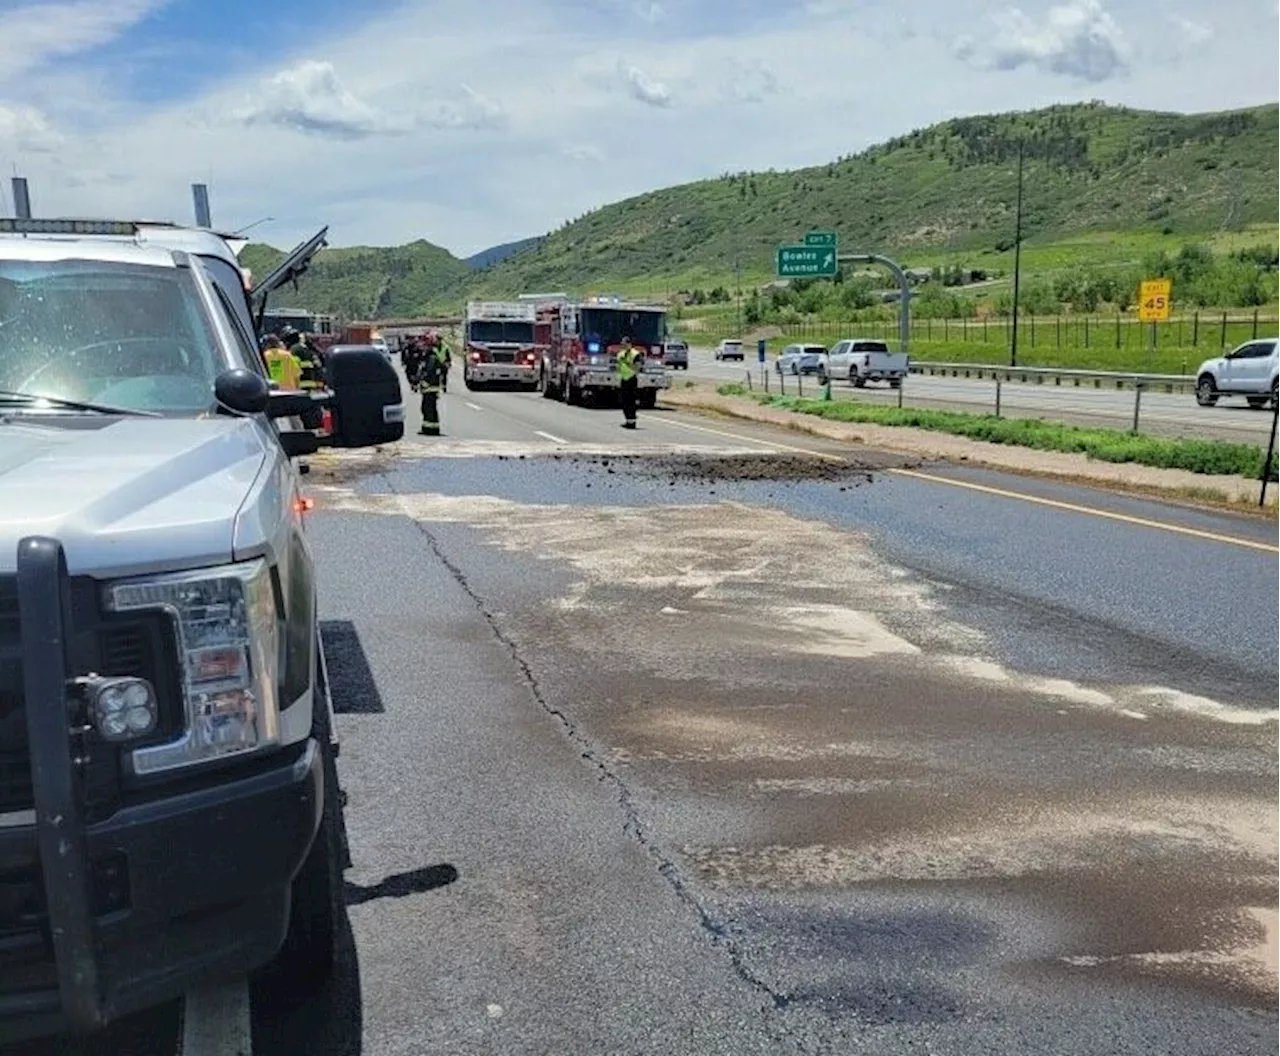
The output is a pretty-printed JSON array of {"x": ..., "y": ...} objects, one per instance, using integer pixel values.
[{"x": 1154, "y": 300}]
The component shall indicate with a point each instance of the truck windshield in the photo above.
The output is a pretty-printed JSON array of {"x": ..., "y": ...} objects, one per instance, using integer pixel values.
[
  {"x": 123, "y": 335},
  {"x": 500, "y": 331},
  {"x": 610, "y": 325}
]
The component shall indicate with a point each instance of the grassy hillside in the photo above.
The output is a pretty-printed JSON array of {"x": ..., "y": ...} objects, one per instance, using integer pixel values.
[
  {"x": 944, "y": 194},
  {"x": 946, "y": 188},
  {"x": 487, "y": 258},
  {"x": 366, "y": 282}
]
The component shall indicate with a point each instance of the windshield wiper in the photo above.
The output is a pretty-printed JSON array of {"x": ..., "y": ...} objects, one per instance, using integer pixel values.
[{"x": 28, "y": 398}]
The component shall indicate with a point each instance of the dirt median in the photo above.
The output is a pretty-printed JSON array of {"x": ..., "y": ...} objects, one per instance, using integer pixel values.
[{"x": 1239, "y": 492}]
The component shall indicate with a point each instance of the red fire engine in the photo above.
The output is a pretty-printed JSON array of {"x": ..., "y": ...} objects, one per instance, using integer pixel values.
[{"x": 582, "y": 346}]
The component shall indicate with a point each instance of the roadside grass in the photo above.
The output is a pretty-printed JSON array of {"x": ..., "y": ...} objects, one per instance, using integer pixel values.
[
  {"x": 1065, "y": 342},
  {"x": 1212, "y": 457}
]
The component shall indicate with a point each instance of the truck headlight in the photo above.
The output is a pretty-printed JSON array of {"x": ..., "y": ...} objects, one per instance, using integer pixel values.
[{"x": 226, "y": 626}]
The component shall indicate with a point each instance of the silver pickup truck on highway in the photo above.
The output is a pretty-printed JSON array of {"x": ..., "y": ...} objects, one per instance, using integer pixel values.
[{"x": 169, "y": 807}]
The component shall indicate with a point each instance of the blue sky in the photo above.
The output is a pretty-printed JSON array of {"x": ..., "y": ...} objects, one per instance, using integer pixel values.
[{"x": 472, "y": 122}]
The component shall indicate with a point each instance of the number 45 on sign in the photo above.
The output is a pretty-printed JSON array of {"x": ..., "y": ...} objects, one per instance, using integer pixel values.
[{"x": 1154, "y": 300}]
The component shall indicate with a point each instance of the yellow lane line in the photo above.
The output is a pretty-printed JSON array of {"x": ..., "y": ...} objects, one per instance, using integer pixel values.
[{"x": 987, "y": 489}]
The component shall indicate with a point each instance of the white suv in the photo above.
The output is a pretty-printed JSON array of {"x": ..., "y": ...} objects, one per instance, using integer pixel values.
[
  {"x": 1248, "y": 371},
  {"x": 729, "y": 350}
]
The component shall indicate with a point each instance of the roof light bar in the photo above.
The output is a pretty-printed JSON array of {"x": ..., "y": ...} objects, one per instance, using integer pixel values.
[{"x": 67, "y": 227}]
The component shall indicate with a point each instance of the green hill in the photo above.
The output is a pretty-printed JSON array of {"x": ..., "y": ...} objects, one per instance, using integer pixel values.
[
  {"x": 367, "y": 282},
  {"x": 949, "y": 188}
]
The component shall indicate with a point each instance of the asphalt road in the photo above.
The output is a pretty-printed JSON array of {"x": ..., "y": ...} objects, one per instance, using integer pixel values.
[
  {"x": 1160, "y": 414},
  {"x": 711, "y": 739}
]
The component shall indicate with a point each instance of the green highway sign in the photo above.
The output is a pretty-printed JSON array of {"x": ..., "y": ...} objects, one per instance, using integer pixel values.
[
  {"x": 806, "y": 262},
  {"x": 822, "y": 238}
]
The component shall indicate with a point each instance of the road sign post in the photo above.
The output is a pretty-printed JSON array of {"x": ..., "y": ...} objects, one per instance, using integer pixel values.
[{"x": 806, "y": 262}]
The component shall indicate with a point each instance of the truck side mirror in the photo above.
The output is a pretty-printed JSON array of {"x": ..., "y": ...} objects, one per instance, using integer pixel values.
[{"x": 367, "y": 404}]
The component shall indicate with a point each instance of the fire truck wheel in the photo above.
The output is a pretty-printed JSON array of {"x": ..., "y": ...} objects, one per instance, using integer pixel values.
[
  {"x": 546, "y": 386},
  {"x": 572, "y": 394}
]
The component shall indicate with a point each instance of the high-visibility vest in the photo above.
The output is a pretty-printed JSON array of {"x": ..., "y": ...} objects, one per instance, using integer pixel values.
[
  {"x": 284, "y": 368},
  {"x": 627, "y": 363}
]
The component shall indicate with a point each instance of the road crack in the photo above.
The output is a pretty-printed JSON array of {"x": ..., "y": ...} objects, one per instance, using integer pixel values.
[{"x": 718, "y": 932}]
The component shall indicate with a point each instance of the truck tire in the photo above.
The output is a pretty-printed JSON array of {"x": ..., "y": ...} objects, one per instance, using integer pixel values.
[
  {"x": 546, "y": 386},
  {"x": 306, "y": 960},
  {"x": 1206, "y": 391},
  {"x": 572, "y": 394}
]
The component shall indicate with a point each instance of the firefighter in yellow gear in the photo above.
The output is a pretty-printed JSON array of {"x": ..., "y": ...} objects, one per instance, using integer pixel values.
[
  {"x": 282, "y": 365},
  {"x": 425, "y": 376},
  {"x": 444, "y": 356},
  {"x": 630, "y": 359}
]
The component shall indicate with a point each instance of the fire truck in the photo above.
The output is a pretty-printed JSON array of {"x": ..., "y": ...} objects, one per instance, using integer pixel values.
[
  {"x": 498, "y": 344},
  {"x": 584, "y": 337}
]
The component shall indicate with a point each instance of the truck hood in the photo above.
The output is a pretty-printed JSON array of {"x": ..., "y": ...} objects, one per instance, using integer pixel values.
[{"x": 127, "y": 497}]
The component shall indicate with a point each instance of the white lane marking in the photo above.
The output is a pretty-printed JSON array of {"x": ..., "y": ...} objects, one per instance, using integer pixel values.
[
  {"x": 550, "y": 436},
  {"x": 216, "y": 1021},
  {"x": 473, "y": 406}
]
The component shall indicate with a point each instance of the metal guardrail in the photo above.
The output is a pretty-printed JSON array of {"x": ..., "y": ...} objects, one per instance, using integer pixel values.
[{"x": 1080, "y": 379}]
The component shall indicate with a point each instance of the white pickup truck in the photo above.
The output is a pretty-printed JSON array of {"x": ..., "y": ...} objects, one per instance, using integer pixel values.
[
  {"x": 1249, "y": 371},
  {"x": 861, "y": 361}
]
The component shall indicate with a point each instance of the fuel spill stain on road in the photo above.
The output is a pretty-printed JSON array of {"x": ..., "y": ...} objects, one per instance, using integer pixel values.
[{"x": 802, "y": 716}]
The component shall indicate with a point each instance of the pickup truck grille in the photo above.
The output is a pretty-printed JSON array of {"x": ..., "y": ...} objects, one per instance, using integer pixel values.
[{"x": 109, "y": 648}]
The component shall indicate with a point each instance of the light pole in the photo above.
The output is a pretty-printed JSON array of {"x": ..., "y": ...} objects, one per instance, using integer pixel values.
[
  {"x": 1017, "y": 262},
  {"x": 250, "y": 227}
]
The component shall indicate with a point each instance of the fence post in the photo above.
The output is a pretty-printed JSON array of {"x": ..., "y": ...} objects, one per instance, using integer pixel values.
[
  {"x": 984, "y": 329},
  {"x": 928, "y": 328},
  {"x": 1137, "y": 404},
  {"x": 1058, "y": 331},
  {"x": 1195, "y": 328},
  {"x": 1086, "y": 331},
  {"x": 997, "y": 397},
  {"x": 1032, "y": 323},
  {"x": 1117, "y": 331},
  {"x": 1255, "y": 325},
  {"x": 964, "y": 328},
  {"x": 901, "y": 389},
  {"x": 1222, "y": 343},
  {"x": 750, "y": 387},
  {"x": 946, "y": 329},
  {"x": 800, "y": 385}
]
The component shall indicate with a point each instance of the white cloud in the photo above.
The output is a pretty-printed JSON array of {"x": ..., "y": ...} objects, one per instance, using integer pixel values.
[
  {"x": 752, "y": 83},
  {"x": 653, "y": 13},
  {"x": 502, "y": 135},
  {"x": 1193, "y": 32},
  {"x": 584, "y": 152},
  {"x": 309, "y": 97},
  {"x": 1079, "y": 39},
  {"x": 644, "y": 89},
  {"x": 31, "y": 36},
  {"x": 470, "y": 111},
  {"x": 25, "y": 129}
]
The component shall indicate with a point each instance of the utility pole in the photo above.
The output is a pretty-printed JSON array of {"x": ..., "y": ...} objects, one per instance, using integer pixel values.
[{"x": 1017, "y": 262}]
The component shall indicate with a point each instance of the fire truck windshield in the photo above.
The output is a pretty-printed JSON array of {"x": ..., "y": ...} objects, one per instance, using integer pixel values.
[
  {"x": 500, "y": 331},
  {"x": 610, "y": 325}
]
